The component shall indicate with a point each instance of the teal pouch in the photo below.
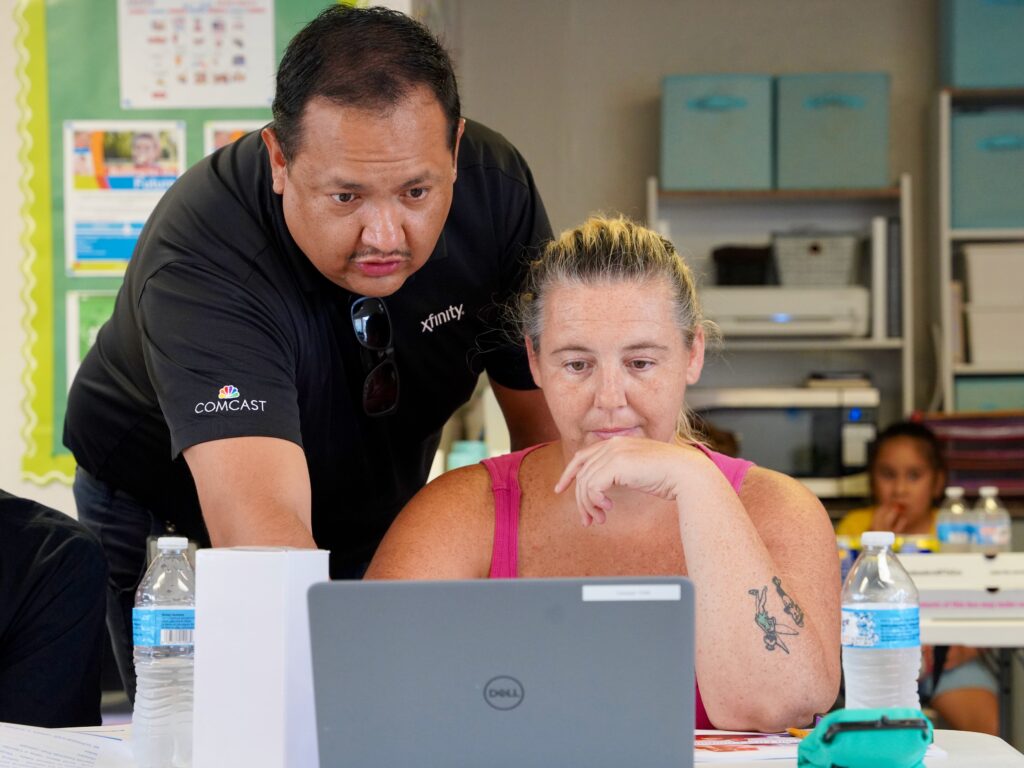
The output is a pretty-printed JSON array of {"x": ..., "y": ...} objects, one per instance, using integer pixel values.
[{"x": 893, "y": 737}]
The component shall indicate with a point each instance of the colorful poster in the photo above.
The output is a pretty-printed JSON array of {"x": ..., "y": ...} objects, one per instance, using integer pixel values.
[
  {"x": 64, "y": 80},
  {"x": 196, "y": 53},
  {"x": 220, "y": 133},
  {"x": 86, "y": 311},
  {"x": 114, "y": 174}
]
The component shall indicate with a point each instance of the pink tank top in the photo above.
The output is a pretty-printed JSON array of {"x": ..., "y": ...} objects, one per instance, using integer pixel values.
[{"x": 504, "y": 471}]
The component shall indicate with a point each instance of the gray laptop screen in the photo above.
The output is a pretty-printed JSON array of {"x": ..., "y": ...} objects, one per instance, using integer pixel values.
[{"x": 517, "y": 673}]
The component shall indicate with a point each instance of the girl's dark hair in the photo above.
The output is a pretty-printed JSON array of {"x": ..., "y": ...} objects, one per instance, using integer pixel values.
[
  {"x": 360, "y": 57},
  {"x": 930, "y": 446}
]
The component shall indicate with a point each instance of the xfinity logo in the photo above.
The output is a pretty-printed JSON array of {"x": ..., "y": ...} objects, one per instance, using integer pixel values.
[
  {"x": 439, "y": 318},
  {"x": 503, "y": 692}
]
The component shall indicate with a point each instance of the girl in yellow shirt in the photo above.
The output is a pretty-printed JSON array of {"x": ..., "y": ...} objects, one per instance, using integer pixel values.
[{"x": 907, "y": 476}]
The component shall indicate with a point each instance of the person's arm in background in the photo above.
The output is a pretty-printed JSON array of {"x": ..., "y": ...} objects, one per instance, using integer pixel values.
[
  {"x": 53, "y": 577},
  {"x": 254, "y": 491},
  {"x": 526, "y": 414}
]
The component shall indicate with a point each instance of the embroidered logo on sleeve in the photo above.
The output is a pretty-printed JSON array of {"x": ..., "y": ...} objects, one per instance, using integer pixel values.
[
  {"x": 228, "y": 392},
  {"x": 436, "y": 319},
  {"x": 230, "y": 399}
]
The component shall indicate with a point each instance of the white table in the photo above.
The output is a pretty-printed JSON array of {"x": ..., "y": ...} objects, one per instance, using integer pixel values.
[
  {"x": 1004, "y": 635},
  {"x": 976, "y": 633},
  {"x": 965, "y": 750}
]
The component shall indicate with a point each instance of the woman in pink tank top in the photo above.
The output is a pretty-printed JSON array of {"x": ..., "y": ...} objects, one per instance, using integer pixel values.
[{"x": 614, "y": 334}]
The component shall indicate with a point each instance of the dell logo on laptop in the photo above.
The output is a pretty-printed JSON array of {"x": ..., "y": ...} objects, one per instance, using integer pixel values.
[{"x": 503, "y": 692}]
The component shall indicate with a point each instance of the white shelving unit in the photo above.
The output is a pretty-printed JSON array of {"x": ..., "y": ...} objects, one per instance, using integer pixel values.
[
  {"x": 699, "y": 221},
  {"x": 951, "y": 239}
]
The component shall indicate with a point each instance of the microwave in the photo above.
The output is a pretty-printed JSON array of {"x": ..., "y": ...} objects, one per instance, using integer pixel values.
[{"x": 818, "y": 436}]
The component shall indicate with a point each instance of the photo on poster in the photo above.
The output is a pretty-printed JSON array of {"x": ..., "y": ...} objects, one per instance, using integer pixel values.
[
  {"x": 220, "y": 133},
  {"x": 86, "y": 311},
  {"x": 196, "y": 53},
  {"x": 114, "y": 174}
]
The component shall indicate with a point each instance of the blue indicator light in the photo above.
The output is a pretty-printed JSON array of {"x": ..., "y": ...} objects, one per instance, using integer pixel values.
[
  {"x": 781, "y": 317},
  {"x": 855, "y": 414}
]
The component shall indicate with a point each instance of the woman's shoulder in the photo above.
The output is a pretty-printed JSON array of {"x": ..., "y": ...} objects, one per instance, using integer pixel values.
[
  {"x": 735, "y": 469},
  {"x": 444, "y": 532},
  {"x": 467, "y": 487},
  {"x": 763, "y": 482},
  {"x": 771, "y": 496}
]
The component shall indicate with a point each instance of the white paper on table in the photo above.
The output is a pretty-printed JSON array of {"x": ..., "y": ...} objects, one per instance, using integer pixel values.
[
  {"x": 117, "y": 732},
  {"x": 23, "y": 746},
  {"x": 741, "y": 746},
  {"x": 738, "y": 746}
]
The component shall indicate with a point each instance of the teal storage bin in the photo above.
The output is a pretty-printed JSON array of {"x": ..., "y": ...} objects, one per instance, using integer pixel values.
[
  {"x": 989, "y": 393},
  {"x": 716, "y": 132},
  {"x": 832, "y": 131},
  {"x": 987, "y": 168},
  {"x": 983, "y": 43}
]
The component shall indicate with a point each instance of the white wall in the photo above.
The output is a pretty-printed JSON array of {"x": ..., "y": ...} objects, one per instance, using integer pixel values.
[
  {"x": 12, "y": 336},
  {"x": 575, "y": 84}
]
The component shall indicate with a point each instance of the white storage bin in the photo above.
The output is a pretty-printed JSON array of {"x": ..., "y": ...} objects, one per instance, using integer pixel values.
[
  {"x": 995, "y": 335},
  {"x": 995, "y": 274}
]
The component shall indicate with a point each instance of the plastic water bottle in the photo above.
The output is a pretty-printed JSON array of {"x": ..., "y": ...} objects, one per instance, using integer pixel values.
[
  {"x": 163, "y": 625},
  {"x": 955, "y": 523},
  {"x": 881, "y": 631},
  {"x": 993, "y": 522}
]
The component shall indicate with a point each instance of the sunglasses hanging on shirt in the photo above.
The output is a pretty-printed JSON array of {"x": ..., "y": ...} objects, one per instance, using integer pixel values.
[{"x": 372, "y": 327}]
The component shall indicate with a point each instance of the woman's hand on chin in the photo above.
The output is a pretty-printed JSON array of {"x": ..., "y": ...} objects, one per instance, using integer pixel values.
[{"x": 638, "y": 463}]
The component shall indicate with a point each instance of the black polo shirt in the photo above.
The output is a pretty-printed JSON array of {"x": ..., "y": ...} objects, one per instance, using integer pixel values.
[{"x": 223, "y": 328}]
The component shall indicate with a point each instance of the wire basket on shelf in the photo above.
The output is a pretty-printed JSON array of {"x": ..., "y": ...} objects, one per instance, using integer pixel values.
[{"x": 817, "y": 258}]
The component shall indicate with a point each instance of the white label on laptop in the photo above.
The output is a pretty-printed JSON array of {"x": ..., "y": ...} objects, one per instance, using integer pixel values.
[{"x": 593, "y": 593}]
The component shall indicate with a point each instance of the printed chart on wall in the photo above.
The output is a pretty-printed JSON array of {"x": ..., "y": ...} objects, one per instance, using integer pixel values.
[
  {"x": 114, "y": 175},
  {"x": 103, "y": 137}
]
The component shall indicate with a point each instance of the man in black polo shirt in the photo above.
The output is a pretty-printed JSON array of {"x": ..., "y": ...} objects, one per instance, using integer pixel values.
[{"x": 253, "y": 383}]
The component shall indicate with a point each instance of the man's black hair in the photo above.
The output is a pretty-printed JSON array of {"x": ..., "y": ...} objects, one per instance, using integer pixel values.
[{"x": 360, "y": 57}]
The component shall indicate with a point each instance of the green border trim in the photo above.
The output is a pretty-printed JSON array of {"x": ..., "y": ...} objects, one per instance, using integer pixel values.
[{"x": 38, "y": 464}]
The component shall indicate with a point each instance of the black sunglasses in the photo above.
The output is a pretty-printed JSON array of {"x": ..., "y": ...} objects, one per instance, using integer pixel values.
[{"x": 372, "y": 326}]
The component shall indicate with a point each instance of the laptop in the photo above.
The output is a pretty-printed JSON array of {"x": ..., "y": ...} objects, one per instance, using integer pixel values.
[{"x": 514, "y": 673}]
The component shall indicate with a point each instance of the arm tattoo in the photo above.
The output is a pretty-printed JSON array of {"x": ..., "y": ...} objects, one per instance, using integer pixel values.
[
  {"x": 767, "y": 624},
  {"x": 796, "y": 613}
]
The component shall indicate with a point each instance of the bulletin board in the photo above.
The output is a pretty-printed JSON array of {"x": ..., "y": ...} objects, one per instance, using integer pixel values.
[{"x": 99, "y": 144}]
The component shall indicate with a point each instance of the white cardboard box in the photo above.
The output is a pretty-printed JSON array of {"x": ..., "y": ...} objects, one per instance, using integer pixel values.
[
  {"x": 995, "y": 335},
  {"x": 995, "y": 272},
  {"x": 253, "y": 678},
  {"x": 968, "y": 585}
]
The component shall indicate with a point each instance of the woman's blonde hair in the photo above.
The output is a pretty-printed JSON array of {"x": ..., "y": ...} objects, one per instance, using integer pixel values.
[{"x": 605, "y": 249}]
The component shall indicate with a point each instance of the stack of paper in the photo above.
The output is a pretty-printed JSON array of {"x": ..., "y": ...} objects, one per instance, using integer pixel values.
[{"x": 22, "y": 746}]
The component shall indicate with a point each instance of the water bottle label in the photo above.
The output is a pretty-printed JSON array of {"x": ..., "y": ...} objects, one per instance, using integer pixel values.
[
  {"x": 955, "y": 533},
  {"x": 163, "y": 626},
  {"x": 881, "y": 627},
  {"x": 996, "y": 534}
]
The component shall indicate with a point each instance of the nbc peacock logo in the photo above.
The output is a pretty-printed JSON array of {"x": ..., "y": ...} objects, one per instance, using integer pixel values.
[{"x": 228, "y": 392}]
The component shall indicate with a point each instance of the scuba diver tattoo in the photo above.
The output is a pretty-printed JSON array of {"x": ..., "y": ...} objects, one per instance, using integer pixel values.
[
  {"x": 796, "y": 613},
  {"x": 767, "y": 624}
]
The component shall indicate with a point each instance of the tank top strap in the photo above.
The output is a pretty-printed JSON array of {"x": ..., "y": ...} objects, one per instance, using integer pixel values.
[
  {"x": 735, "y": 470},
  {"x": 504, "y": 472}
]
